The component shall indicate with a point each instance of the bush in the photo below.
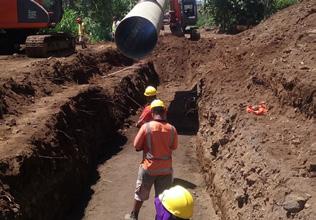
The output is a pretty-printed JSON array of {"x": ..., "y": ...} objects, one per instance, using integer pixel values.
[
  {"x": 281, "y": 4},
  {"x": 205, "y": 20},
  {"x": 68, "y": 23},
  {"x": 94, "y": 29},
  {"x": 97, "y": 16},
  {"x": 230, "y": 13}
]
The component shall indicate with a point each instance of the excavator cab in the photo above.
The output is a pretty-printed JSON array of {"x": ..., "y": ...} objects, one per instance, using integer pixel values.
[
  {"x": 189, "y": 13},
  {"x": 55, "y": 10},
  {"x": 183, "y": 18},
  {"x": 189, "y": 18}
]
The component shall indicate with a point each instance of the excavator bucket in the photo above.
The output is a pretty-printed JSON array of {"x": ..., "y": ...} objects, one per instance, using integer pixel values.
[
  {"x": 195, "y": 35},
  {"x": 176, "y": 30}
]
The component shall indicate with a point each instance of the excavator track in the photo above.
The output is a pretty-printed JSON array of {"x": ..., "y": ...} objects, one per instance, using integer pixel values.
[{"x": 48, "y": 44}]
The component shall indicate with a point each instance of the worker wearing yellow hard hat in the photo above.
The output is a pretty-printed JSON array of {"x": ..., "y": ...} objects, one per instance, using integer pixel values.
[
  {"x": 150, "y": 91},
  {"x": 157, "y": 103},
  {"x": 157, "y": 139},
  {"x": 150, "y": 94},
  {"x": 174, "y": 203}
]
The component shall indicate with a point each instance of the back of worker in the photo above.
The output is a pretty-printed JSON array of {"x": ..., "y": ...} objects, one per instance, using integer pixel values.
[
  {"x": 161, "y": 133},
  {"x": 157, "y": 158},
  {"x": 150, "y": 94},
  {"x": 157, "y": 139}
]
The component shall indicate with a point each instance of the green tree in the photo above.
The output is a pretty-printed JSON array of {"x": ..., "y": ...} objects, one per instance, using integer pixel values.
[
  {"x": 228, "y": 14},
  {"x": 280, "y": 4},
  {"x": 67, "y": 24},
  {"x": 96, "y": 14}
]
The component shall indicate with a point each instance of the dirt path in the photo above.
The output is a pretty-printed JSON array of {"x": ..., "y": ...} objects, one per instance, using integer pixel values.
[{"x": 112, "y": 195}]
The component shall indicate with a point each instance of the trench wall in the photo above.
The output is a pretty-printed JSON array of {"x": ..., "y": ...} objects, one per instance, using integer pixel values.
[{"x": 49, "y": 177}]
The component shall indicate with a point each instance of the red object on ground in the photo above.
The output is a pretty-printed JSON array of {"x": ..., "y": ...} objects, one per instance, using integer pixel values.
[{"x": 260, "y": 109}]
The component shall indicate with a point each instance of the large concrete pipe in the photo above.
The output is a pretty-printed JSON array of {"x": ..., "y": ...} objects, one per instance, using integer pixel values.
[{"x": 138, "y": 32}]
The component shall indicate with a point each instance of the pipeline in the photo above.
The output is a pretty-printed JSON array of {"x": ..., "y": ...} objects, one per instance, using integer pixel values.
[{"x": 137, "y": 34}]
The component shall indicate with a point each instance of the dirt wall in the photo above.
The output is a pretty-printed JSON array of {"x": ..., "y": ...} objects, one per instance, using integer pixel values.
[
  {"x": 49, "y": 162},
  {"x": 260, "y": 167},
  {"x": 256, "y": 167}
]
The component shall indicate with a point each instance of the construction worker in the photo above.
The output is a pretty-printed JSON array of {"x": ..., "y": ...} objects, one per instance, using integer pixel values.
[
  {"x": 81, "y": 33},
  {"x": 157, "y": 139},
  {"x": 115, "y": 23},
  {"x": 151, "y": 94},
  {"x": 174, "y": 203}
]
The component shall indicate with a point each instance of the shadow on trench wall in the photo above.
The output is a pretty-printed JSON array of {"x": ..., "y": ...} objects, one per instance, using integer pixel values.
[
  {"x": 112, "y": 147},
  {"x": 183, "y": 112}
]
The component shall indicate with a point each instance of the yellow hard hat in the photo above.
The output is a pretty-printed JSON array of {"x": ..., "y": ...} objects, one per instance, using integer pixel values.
[
  {"x": 150, "y": 91},
  {"x": 157, "y": 103},
  {"x": 178, "y": 201}
]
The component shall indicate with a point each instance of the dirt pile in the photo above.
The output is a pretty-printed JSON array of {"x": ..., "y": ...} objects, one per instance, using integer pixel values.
[
  {"x": 256, "y": 167},
  {"x": 61, "y": 114},
  {"x": 51, "y": 145},
  {"x": 34, "y": 79}
]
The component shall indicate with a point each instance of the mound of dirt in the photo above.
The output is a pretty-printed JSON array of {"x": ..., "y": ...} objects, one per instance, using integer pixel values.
[
  {"x": 59, "y": 113},
  {"x": 24, "y": 80},
  {"x": 256, "y": 167},
  {"x": 59, "y": 120}
]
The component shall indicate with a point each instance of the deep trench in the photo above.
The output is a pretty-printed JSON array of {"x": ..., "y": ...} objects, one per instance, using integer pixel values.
[
  {"x": 65, "y": 154},
  {"x": 84, "y": 134},
  {"x": 182, "y": 113}
]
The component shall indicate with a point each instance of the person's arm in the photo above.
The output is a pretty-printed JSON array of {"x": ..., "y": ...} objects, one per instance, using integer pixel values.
[
  {"x": 139, "y": 140},
  {"x": 175, "y": 139},
  {"x": 146, "y": 113}
]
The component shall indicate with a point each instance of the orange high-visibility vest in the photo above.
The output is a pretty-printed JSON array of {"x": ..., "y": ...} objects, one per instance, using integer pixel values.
[{"x": 157, "y": 140}]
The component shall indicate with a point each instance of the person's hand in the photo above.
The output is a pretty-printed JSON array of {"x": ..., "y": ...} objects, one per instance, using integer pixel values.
[{"x": 137, "y": 125}]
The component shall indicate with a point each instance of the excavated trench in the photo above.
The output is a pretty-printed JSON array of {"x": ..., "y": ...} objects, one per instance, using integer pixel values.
[
  {"x": 250, "y": 164},
  {"x": 82, "y": 129}
]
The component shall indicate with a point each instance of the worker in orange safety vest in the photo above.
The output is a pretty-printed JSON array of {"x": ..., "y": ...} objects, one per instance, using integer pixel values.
[
  {"x": 157, "y": 139},
  {"x": 151, "y": 95}
]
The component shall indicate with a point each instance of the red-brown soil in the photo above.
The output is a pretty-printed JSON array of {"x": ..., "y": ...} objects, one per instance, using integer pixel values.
[
  {"x": 59, "y": 118},
  {"x": 257, "y": 167},
  {"x": 62, "y": 116}
]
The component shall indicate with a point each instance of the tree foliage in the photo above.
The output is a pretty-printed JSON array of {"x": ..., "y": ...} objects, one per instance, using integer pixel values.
[
  {"x": 228, "y": 14},
  {"x": 96, "y": 14},
  {"x": 280, "y": 4},
  {"x": 67, "y": 24}
]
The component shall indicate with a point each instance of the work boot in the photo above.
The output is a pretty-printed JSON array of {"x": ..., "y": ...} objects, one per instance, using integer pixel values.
[{"x": 131, "y": 216}]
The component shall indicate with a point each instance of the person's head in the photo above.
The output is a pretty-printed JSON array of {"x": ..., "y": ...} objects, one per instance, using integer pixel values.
[
  {"x": 150, "y": 93},
  {"x": 158, "y": 109},
  {"x": 78, "y": 20},
  {"x": 178, "y": 201}
]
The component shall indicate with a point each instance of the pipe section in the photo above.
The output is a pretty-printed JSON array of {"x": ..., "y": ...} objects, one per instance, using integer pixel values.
[{"x": 137, "y": 34}]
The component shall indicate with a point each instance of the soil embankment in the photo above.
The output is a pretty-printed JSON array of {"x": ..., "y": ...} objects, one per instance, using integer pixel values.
[
  {"x": 60, "y": 116},
  {"x": 117, "y": 175},
  {"x": 51, "y": 144},
  {"x": 256, "y": 167}
]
